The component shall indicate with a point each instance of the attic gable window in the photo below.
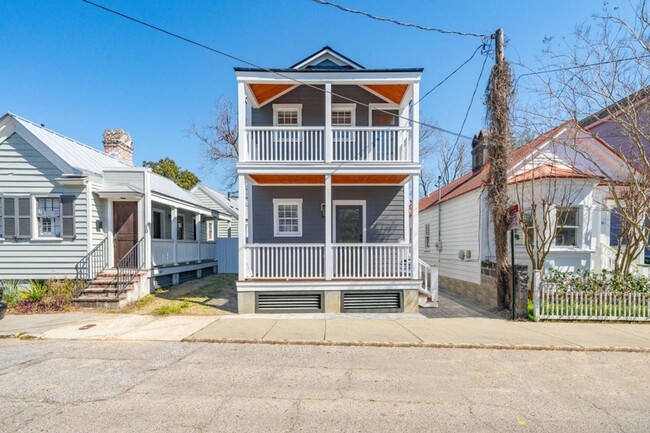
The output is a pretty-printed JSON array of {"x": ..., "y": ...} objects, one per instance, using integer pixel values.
[{"x": 287, "y": 114}]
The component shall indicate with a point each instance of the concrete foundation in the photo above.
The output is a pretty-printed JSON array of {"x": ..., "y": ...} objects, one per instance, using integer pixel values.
[
  {"x": 332, "y": 302},
  {"x": 411, "y": 301},
  {"x": 246, "y": 302}
]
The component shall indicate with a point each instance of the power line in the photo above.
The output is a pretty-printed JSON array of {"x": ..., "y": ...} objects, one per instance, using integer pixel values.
[
  {"x": 233, "y": 57},
  {"x": 452, "y": 73},
  {"x": 401, "y": 23}
]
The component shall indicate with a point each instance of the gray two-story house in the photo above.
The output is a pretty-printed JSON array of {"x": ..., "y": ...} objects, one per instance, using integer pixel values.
[{"x": 328, "y": 169}]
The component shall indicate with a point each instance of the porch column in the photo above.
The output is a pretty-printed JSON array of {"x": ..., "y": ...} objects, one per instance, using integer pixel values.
[
  {"x": 241, "y": 122},
  {"x": 111, "y": 235},
  {"x": 328, "y": 122},
  {"x": 148, "y": 223},
  {"x": 174, "y": 233},
  {"x": 415, "y": 138},
  {"x": 243, "y": 213},
  {"x": 329, "y": 256},
  {"x": 415, "y": 212},
  {"x": 197, "y": 222},
  {"x": 407, "y": 229}
]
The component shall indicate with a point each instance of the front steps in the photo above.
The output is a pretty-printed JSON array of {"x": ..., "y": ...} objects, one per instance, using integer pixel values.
[
  {"x": 425, "y": 302},
  {"x": 102, "y": 292}
]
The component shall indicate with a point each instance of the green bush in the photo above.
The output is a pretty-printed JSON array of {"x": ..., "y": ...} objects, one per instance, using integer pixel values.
[
  {"x": 34, "y": 291},
  {"x": 58, "y": 291},
  {"x": 590, "y": 281},
  {"x": 10, "y": 292}
]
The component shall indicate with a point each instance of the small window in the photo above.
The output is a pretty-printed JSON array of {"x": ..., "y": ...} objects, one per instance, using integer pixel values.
[
  {"x": 157, "y": 224},
  {"x": 287, "y": 217},
  {"x": 343, "y": 114},
  {"x": 528, "y": 226},
  {"x": 568, "y": 223},
  {"x": 180, "y": 227},
  {"x": 427, "y": 236},
  {"x": 287, "y": 115},
  {"x": 48, "y": 217},
  {"x": 209, "y": 230}
]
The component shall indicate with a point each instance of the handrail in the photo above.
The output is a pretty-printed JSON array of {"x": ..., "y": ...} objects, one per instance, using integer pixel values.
[
  {"x": 129, "y": 266},
  {"x": 90, "y": 266},
  {"x": 429, "y": 280}
]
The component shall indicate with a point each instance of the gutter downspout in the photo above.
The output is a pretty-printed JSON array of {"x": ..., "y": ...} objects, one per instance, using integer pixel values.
[{"x": 439, "y": 247}]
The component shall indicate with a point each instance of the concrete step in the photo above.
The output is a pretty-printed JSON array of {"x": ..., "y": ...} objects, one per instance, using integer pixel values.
[
  {"x": 425, "y": 302},
  {"x": 110, "y": 302}
]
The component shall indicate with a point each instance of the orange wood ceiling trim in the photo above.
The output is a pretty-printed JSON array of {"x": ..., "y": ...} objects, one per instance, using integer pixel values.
[
  {"x": 368, "y": 178},
  {"x": 264, "y": 92},
  {"x": 337, "y": 179},
  {"x": 316, "y": 179},
  {"x": 394, "y": 92}
]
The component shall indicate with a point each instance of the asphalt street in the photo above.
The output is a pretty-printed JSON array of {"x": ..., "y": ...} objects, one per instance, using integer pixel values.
[{"x": 109, "y": 386}]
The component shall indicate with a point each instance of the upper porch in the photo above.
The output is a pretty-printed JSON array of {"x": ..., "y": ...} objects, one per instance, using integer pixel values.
[{"x": 328, "y": 110}]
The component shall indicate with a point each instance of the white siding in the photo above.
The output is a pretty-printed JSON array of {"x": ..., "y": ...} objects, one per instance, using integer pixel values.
[
  {"x": 25, "y": 171},
  {"x": 460, "y": 230}
]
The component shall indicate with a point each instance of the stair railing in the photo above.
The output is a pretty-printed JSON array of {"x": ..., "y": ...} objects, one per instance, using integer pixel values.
[
  {"x": 429, "y": 277},
  {"x": 129, "y": 266},
  {"x": 90, "y": 266}
]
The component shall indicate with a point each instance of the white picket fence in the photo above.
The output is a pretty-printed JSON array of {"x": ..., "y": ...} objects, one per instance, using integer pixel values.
[{"x": 552, "y": 303}]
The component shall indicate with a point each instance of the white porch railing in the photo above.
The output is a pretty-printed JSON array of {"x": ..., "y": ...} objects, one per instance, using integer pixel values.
[
  {"x": 285, "y": 144},
  {"x": 286, "y": 261},
  {"x": 169, "y": 252},
  {"x": 349, "y": 144},
  {"x": 187, "y": 251},
  {"x": 162, "y": 252},
  {"x": 372, "y": 260},
  {"x": 390, "y": 144},
  {"x": 429, "y": 277}
]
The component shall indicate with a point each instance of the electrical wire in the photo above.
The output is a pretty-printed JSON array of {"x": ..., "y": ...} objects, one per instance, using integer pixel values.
[
  {"x": 239, "y": 59},
  {"x": 401, "y": 23}
]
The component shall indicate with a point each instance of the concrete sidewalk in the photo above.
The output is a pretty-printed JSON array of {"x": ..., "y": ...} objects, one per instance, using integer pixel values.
[{"x": 402, "y": 330}]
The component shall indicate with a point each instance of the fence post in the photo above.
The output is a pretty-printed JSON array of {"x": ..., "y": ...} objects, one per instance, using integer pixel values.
[{"x": 537, "y": 287}]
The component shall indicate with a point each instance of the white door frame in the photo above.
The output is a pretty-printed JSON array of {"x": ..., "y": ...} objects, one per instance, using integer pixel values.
[{"x": 361, "y": 203}]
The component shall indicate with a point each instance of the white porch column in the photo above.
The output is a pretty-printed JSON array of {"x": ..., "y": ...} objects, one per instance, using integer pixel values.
[
  {"x": 329, "y": 256},
  {"x": 89, "y": 216},
  {"x": 148, "y": 223},
  {"x": 174, "y": 233},
  {"x": 415, "y": 238},
  {"x": 328, "y": 122},
  {"x": 243, "y": 212},
  {"x": 111, "y": 235},
  {"x": 407, "y": 229},
  {"x": 241, "y": 122},
  {"x": 416, "y": 125},
  {"x": 197, "y": 222}
]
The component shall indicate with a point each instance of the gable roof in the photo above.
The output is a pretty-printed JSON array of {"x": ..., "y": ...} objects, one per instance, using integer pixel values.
[
  {"x": 229, "y": 205},
  {"x": 322, "y": 59},
  {"x": 80, "y": 157},
  {"x": 614, "y": 108}
]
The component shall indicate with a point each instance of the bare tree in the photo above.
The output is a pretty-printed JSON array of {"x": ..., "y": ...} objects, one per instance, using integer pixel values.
[
  {"x": 601, "y": 75},
  {"x": 219, "y": 140},
  {"x": 441, "y": 158}
]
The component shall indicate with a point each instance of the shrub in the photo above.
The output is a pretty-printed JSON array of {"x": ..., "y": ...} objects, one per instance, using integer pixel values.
[
  {"x": 590, "y": 281},
  {"x": 34, "y": 291},
  {"x": 58, "y": 291},
  {"x": 10, "y": 292}
]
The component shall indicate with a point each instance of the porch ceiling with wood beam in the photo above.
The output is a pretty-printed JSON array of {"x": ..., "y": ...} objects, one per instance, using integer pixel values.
[
  {"x": 392, "y": 92},
  {"x": 264, "y": 93},
  {"x": 337, "y": 179}
]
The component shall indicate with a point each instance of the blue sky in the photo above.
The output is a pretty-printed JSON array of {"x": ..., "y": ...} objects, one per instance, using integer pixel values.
[{"x": 80, "y": 70}]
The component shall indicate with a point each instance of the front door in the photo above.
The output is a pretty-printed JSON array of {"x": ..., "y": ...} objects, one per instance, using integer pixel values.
[
  {"x": 125, "y": 227},
  {"x": 349, "y": 224}
]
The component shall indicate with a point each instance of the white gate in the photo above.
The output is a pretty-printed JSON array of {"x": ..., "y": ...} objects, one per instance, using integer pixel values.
[{"x": 227, "y": 255}]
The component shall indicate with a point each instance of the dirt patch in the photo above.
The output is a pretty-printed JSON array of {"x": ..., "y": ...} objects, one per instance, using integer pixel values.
[{"x": 210, "y": 296}]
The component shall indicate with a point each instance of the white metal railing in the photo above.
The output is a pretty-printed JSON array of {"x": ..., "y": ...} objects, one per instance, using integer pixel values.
[
  {"x": 187, "y": 251},
  {"x": 371, "y": 144},
  {"x": 429, "y": 276},
  {"x": 208, "y": 251},
  {"x": 285, "y": 144},
  {"x": 162, "y": 251},
  {"x": 285, "y": 261},
  {"x": 553, "y": 303},
  {"x": 372, "y": 260}
]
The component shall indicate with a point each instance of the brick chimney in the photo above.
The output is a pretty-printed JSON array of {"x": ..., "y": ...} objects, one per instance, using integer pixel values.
[
  {"x": 117, "y": 142},
  {"x": 479, "y": 151}
]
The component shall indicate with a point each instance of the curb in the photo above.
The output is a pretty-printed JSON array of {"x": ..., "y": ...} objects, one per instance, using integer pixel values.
[{"x": 420, "y": 345}]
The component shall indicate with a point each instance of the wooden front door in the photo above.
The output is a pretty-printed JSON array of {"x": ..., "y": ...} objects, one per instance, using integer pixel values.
[{"x": 125, "y": 227}]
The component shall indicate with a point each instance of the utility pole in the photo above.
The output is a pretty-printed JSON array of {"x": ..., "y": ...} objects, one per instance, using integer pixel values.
[{"x": 497, "y": 101}]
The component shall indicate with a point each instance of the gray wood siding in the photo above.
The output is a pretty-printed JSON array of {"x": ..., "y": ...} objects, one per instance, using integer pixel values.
[
  {"x": 313, "y": 105},
  {"x": 24, "y": 171},
  {"x": 384, "y": 212}
]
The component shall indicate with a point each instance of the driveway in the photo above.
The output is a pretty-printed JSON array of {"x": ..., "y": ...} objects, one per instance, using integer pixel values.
[{"x": 91, "y": 386}]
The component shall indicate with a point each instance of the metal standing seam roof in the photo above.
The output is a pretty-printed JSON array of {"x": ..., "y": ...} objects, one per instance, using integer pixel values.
[
  {"x": 89, "y": 159},
  {"x": 223, "y": 200}
]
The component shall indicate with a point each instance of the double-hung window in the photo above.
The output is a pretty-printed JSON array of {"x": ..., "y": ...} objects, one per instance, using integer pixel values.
[
  {"x": 527, "y": 231},
  {"x": 343, "y": 114},
  {"x": 48, "y": 217},
  {"x": 287, "y": 217},
  {"x": 209, "y": 230},
  {"x": 427, "y": 236},
  {"x": 568, "y": 227},
  {"x": 287, "y": 114}
]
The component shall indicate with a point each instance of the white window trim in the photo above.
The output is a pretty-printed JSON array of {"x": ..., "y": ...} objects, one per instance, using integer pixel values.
[
  {"x": 361, "y": 203},
  {"x": 287, "y": 107},
  {"x": 352, "y": 108},
  {"x": 578, "y": 228},
  {"x": 36, "y": 233},
  {"x": 209, "y": 230},
  {"x": 162, "y": 223},
  {"x": 380, "y": 106},
  {"x": 286, "y": 201}
]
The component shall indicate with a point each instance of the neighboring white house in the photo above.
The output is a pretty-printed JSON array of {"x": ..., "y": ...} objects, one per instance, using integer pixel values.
[
  {"x": 328, "y": 157},
  {"x": 68, "y": 210},
  {"x": 457, "y": 234}
]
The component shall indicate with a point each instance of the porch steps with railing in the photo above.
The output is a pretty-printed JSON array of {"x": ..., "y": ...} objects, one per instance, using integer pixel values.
[{"x": 102, "y": 292}]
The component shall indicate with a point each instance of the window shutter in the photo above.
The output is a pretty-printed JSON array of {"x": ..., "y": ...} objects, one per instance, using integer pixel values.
[
  {"x": 9, "y": 217},
  {"x": 23, "y": 217},
  {"x": 67, "y": 217}
]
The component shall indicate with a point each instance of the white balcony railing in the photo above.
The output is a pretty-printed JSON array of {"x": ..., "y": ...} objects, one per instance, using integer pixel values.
[
  {"x": 348, "y": 144},
  {"x": 372, "y": 260},
  {"x": 167, "y": 252},
  {"x": 307, "y": 261}
]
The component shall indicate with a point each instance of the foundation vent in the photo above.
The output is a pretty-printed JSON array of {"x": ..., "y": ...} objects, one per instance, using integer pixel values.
[
  {"x": 372, "y": 302},
  {"x": 184, "y": 277},
  {"x": 290, "y": 302},
  {"x": 162, "y": 281}
]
